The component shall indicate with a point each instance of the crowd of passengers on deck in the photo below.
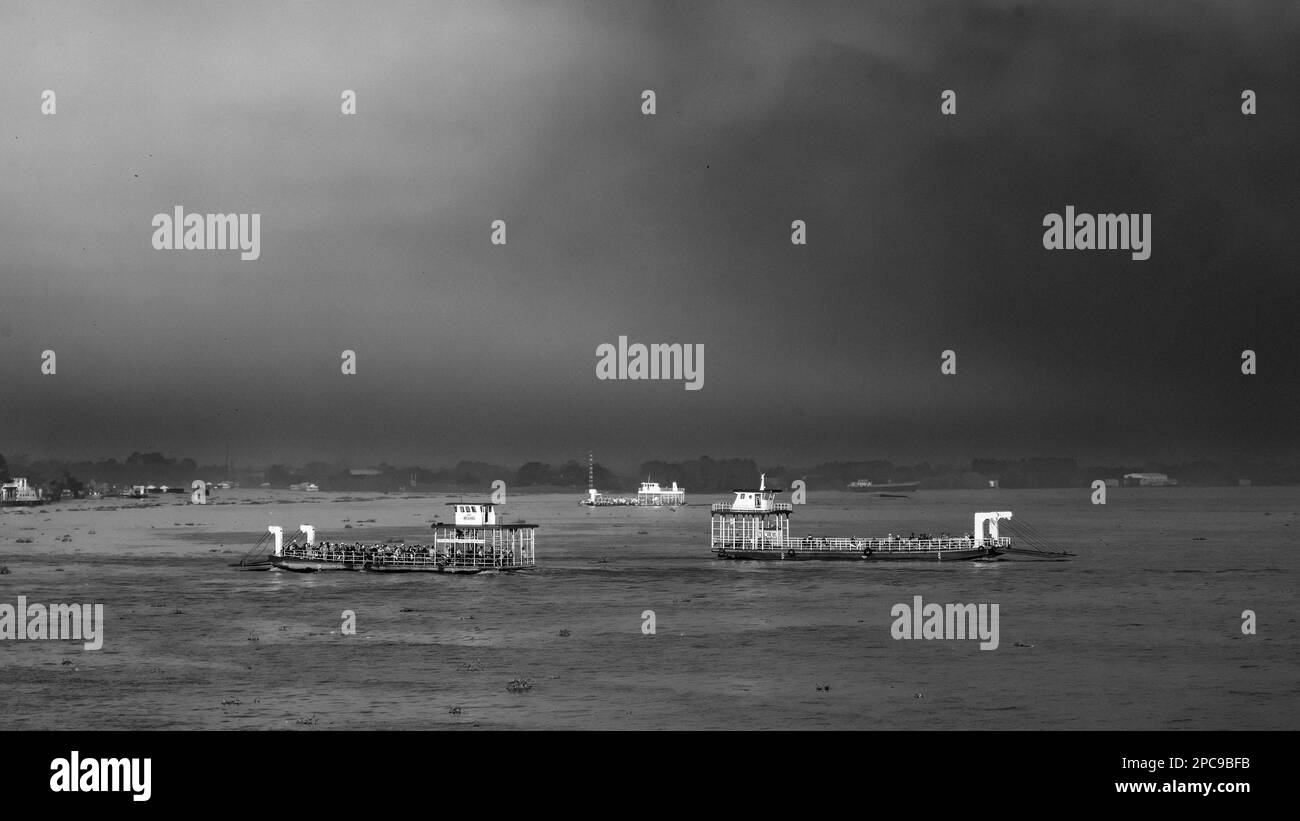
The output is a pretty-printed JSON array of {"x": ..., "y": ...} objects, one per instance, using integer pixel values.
[{"x": 383, "y": 553}]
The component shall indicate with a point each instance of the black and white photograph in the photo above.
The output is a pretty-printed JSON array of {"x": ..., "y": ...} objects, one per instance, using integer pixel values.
[{"x": 447, "y": 370}]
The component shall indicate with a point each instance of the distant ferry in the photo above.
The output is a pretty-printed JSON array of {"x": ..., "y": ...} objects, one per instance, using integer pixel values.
[
  {"x": 649, "y": 495},
  {"x": 18, "y": 493},
  {"x": 868, "y": 486},
  {"x": 473, "y": 543},
  {"x": 755, "y": 526}
]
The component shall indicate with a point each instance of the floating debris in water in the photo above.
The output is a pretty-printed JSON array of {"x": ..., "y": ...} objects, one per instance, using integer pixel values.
[
  {"x": 178, "y": 612},
  {"x": 918, "y": 695},
  {"x": 253, "y": 637},
  {"x": 823, "y": 688},
  {"x": 23, "y": 540},
  {"x": 4, "y": 570},
  {"x": 67, "y": 662},
  {"x": 519, "y": 685},
  {"x": 1023, "y": 644},
  {"x": 475, "y": 666},
  {"x": 453, "y": 711},
  {"x": 308, "y": 721},
  {"x": 226, "y": 702},
  {"x": 565, "y": 632}
]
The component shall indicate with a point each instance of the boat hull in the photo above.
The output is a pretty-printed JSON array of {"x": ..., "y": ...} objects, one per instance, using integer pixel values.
[
  {"x": 321, "y": 565},
  {"x": 804, "y": 555}
]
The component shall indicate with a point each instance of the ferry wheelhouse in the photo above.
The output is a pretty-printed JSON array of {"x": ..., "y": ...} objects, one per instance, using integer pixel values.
[
  {"x": 755, "y": 526},
  {"x": 473, "y": 542}
]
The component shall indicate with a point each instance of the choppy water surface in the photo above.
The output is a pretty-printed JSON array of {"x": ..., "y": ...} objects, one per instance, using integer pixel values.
[{"x": 1141, "y": 630}]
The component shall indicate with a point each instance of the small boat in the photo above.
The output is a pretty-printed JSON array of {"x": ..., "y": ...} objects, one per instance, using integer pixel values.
[{"x": 883, "y": 488}]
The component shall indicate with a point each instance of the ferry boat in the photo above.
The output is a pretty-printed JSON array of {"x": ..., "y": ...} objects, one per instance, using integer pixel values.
[
  {"x": 754, "y": 526},
  {"x": 868, "y": 486},
  {"x": 472, "y": 543},
  {"x": 650, "y": 495},
  {"x": 18, "y": 493}
]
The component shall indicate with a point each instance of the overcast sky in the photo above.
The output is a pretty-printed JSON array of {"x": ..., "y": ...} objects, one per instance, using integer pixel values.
[{"x": 924, "y": 231}]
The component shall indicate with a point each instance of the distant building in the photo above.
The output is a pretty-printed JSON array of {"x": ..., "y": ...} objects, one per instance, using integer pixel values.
[{"x": 1148, "y": 480}]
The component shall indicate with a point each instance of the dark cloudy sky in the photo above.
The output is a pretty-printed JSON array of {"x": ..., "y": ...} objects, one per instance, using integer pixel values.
[{"x": 925, "y": 231}]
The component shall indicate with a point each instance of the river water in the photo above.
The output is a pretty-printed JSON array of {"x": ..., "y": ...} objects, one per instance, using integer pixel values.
[{"x": 1142, "y": 629}]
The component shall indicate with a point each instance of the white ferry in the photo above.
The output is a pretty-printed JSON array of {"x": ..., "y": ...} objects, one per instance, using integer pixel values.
[
  {"x": 649, "y": 495},
  {"x": 755, "y": 526},
  {"x": 472, "y": 543}
]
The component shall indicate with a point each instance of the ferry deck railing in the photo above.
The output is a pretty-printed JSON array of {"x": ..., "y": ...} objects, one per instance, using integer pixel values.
[
  {"x": 409, "y": 558},
  {"x": 847, "y": 544},
  {"x": 726, "y": 507}
]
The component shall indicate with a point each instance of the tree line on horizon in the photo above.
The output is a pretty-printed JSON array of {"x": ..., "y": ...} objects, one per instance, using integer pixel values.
[{"x": 702, "y": 475}]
